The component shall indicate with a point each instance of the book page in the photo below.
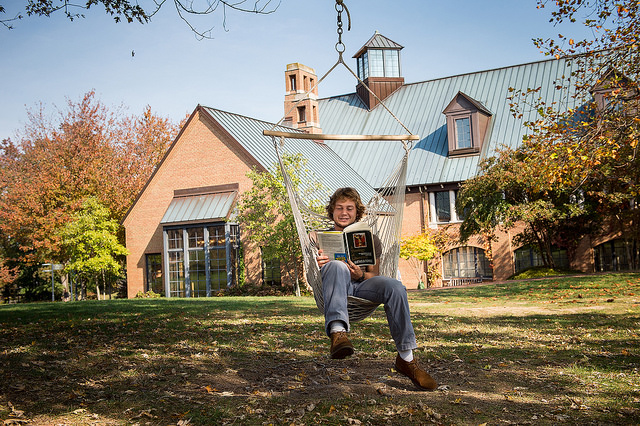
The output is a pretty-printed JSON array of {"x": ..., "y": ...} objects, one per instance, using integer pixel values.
[{"x": 332, "y": 244}]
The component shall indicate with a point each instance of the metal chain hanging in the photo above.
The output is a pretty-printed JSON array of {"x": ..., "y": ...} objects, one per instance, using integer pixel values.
[
  {"x": 340, "y": 48},
  {"x": 341, "y": 7}
]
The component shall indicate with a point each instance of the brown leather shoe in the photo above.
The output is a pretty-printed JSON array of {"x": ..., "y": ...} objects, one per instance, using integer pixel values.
[
  {"x": 418, "y": 376},
  {"x": 341, "y": 347}
]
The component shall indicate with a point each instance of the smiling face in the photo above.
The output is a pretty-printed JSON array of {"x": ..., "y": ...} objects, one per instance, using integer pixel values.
[{"x": 344, "y": 213}]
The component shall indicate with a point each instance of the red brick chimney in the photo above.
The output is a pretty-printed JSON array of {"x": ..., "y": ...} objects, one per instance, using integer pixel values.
[{"x": 301, "y": 112}]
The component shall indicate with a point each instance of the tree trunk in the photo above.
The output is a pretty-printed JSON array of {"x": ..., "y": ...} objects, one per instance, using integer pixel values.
[{"x": 547, "y": 249}]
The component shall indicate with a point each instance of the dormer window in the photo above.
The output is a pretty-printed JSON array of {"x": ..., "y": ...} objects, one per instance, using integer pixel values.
[
  {"x": 467, "y": 123},
  {"x": 463, "y": 133},
  {"x": 614, "y": 92}
]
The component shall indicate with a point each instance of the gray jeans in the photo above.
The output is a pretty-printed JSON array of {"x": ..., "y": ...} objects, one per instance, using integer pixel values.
[{"x": 337, "y": 285}]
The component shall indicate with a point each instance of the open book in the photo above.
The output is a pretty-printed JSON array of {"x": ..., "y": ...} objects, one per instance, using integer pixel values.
[{"x": 355, "y": 242}]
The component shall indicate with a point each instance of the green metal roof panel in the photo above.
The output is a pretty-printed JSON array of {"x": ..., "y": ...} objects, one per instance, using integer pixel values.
[
  {"x": 419, "y": 106},
  {"x": 324, "y": 166},
  {"x": 192, "y": 208}
]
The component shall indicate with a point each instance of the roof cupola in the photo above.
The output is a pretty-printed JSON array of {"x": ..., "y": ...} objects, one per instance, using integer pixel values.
[{"x": 378, "y": 63}]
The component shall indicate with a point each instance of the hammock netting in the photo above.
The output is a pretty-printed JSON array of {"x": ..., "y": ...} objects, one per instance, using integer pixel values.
[{"x": 310, "y": 193}]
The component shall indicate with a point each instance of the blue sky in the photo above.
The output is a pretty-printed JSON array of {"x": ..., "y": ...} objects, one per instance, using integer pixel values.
[{"x": 49, "y": 61}]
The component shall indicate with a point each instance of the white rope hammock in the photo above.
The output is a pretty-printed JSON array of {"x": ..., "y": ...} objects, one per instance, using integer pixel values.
[
  {"x": 384, "y": 206},
  {"x": 384, "y": 213}
]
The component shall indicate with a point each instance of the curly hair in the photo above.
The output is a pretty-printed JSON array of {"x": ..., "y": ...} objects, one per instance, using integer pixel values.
[{"x": 350, "y": 194}]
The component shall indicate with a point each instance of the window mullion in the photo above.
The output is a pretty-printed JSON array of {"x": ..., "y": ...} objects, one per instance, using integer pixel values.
[
  {"x": 207, "y": 261},
  {"x": 185, "y": 262}
]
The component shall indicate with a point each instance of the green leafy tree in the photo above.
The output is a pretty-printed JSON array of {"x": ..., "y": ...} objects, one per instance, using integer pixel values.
[
  {"x": 509, "y": 190},
  {"x": 266, "y": 217},
  {"x": 91, "y": 246},
  {"x": 578, "y": 169},
  {"x": 591, "y": 151},
  {"x": 424, "y": 247}
]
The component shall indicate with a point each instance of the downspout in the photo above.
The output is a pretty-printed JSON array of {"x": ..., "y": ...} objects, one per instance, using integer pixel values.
[{"x": 425, "y": 267}]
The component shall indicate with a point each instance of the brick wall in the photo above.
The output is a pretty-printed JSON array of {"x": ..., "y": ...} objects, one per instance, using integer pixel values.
[{"x": 197, "y": 158}]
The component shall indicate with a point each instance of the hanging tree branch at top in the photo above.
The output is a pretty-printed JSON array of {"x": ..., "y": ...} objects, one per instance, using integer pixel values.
[{"x": 132, "y": 11}]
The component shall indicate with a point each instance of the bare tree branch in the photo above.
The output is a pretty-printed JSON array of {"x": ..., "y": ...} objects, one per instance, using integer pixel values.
[{"x": 132, "y": 11}]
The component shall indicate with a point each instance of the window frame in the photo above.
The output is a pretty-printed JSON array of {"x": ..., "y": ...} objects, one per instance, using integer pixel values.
[
  {"x": 433, "y": 208},
  {"x": 533, "y": 259},
  {"x": 387, "y": 59},
  {"x": 178, "y": 259},
  {"x": 153, "y": 267},
  {"x": 271, "y": 267},
  {"x": 479, "y": 271},
  {"x": 464, "y": 107}
]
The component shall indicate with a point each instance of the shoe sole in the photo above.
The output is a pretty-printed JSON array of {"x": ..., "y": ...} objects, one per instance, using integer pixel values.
[{"x": 342, "y": 353}]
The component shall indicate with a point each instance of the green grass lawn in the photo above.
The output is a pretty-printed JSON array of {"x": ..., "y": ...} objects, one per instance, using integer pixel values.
[{"x": 549, "y": 351}]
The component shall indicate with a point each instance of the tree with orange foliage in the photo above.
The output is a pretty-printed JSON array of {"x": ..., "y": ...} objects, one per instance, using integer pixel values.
[
  {"x": 577, "y": 172},
  {"x": 55, "y": 165}
]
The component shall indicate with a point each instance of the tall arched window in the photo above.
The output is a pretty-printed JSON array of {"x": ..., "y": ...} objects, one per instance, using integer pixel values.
[{"x": 466, "y": 262}]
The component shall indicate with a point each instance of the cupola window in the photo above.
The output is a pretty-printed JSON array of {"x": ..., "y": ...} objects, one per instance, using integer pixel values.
[{"x": 379, "y": 63}]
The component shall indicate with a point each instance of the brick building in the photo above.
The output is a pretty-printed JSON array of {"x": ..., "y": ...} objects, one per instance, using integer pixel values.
[{"x": 181, "y": 233}]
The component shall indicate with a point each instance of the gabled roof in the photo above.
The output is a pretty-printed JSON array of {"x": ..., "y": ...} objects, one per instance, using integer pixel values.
[
  {"x": 378, "y": 41},
  {"x": 324, "y": 166},
  {"x": 419, "y": 106},
  {"x": 477, "y": 105}
]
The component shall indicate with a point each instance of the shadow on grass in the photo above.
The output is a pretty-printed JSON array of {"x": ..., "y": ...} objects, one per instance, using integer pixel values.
[{"x": 259, "y": 360}]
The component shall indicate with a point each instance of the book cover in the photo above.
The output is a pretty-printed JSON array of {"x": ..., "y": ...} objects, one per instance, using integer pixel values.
[{"x": 354, "y": 243}]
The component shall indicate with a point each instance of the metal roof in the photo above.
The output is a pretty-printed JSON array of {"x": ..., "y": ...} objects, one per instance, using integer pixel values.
[
  {"x": 199, "y": 207},
  {"x": 323, "y": 166},
  {"x": 419, "y": 106},
  {"x": 378, "y": 41}
]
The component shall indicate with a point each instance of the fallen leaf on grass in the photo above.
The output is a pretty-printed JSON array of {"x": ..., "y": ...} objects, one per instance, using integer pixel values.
[
  {"x": 144, "y": 413},
  {"x": 13, "y": 422},
  {"x": 14, "y": 412},
  {"x": 383, "y": 391}
]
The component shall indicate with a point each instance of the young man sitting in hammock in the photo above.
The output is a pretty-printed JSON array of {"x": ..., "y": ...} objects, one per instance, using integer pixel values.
[{"x": 342, "y": 279}]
